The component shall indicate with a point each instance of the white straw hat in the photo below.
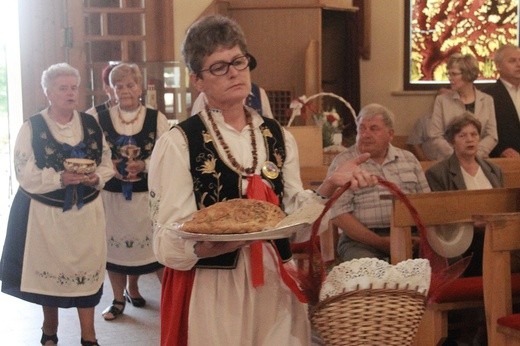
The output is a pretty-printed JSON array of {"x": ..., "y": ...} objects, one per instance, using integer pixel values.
[{"x": 450, "y": 240}]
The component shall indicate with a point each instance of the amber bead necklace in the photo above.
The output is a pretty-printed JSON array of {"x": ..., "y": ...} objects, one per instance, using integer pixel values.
[
  {"x": 223, "y": 144},
  {"x": 133, "y": 120}
]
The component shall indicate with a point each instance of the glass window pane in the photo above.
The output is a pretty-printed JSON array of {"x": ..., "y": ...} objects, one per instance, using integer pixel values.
[{"x": 438, "y": 28}]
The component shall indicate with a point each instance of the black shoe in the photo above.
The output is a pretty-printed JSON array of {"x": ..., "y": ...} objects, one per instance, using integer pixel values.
[
  {"x": 113, "y": 310},
  {"x": 137, "y": 302},
  {"x": 45, "y": 338},
  {"x": 89, "y": 343}
]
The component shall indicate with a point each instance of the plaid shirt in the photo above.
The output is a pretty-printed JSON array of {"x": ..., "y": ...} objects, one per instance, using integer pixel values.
[{"x": 400, "y": 167}]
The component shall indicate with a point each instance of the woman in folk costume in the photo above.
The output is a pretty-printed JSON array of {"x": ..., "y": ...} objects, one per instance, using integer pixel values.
[
  {"x": 55, "y": 247},
  {"x": 129, "y": 125},
  {"x": 227, "y": 293}
]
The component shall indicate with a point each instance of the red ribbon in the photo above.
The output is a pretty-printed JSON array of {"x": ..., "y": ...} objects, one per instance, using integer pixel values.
[{"x": 258, "y": 190}]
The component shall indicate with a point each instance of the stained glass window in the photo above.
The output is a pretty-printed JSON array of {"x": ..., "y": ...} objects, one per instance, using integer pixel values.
[{"x": 435, "y": 29}]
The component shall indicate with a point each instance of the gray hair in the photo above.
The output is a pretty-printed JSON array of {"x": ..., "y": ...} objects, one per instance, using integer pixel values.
[
  {"x": 123, "y": 70},
  {"x": 499, "y": 54},
  {"x": 55, "y": 71},
  {"x": 208, "y": 34},
  {"x": 372, "y": 110},
  {"x": 467, "y": 64}
]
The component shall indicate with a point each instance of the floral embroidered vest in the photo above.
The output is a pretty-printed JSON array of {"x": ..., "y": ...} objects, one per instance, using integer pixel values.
[
  {"x": 49, "y": 153},
  {"x": 215, "y": 181},
  {"x": 144, "y": 140}
]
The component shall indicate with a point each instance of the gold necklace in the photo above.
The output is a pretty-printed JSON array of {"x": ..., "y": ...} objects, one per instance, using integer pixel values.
[
  {"x": 223, "y": 144},
  {"x": 134, "y": 119}
]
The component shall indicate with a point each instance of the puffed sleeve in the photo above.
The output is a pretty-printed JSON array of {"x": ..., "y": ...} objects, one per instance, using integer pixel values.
[
  {"x": 295, "y": 196},
  {"x": 29, "y": 176},
  {"x": 105, "y": 170},
  {"x": 171, "y": 199}
]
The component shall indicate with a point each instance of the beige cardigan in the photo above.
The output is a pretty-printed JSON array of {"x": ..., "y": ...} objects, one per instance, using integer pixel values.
[{"x": 448, "y": 106}]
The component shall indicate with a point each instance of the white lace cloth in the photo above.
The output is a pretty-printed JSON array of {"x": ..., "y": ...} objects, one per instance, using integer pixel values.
[{"x": 364, "y": 273}]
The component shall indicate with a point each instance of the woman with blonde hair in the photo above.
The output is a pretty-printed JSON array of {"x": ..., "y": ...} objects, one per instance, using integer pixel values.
[
  {"x": 129, "y": 126},
  {"x": 463, "y": 70}
]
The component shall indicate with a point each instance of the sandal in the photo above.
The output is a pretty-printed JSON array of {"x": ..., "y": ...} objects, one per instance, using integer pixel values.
[
  {"x": 89, "y": 343},
  {"x": 113, "y": 310},
  {"x": 137, "y": 302},
  {"x": 45, "y": 338}
]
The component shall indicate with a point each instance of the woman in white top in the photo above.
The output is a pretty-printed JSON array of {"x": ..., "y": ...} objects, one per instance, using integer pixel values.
[
  {"x": 224, "y": 152},
  {"x": 55, "y": 249},
  {"x": 465, "y": 170},
  {"x": 462, "y": 72},
  {"x": 129, "y": 124}
]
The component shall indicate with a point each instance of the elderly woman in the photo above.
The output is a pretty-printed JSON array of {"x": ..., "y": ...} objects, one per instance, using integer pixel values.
[
  {"x": 227, "y": 151},
  {"x": 129, "y": 127},
  {"x": 55, "y": 247},
  {"x": 462, "y": 72},
  {"x": 464, "y": 170}
]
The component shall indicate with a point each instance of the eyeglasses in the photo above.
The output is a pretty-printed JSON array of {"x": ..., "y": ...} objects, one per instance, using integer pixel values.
[{"x": 221, "y": 68}]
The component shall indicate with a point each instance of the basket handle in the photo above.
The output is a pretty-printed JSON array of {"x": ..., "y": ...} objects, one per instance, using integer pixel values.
[
  {"x": 442, "y": 273},
  {"x": 297, "y": 105}
]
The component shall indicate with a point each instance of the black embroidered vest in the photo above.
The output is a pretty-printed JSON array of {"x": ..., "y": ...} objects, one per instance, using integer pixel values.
[
  {"x": 215, "y": 181},
  {"x": 101, "y": 108},
  {"x": 49, "y": 153},
  {"x": 144, "y": 139}
]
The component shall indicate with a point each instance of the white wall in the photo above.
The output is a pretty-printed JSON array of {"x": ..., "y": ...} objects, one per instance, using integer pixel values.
[
  {"x": 184, "y": 13},
  {"x": 381, "y": 76}
]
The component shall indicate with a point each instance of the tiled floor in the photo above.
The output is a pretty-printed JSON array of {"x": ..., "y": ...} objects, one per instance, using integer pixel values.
[{"x": 20, "y": 322}]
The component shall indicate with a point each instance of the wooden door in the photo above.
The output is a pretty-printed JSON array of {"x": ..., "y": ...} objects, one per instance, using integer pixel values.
[
  {"x": 87, "y": 34},
  {"x": 41, "y": 45}
]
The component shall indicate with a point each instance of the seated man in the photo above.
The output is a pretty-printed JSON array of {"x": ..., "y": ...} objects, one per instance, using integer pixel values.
[{"x": 363, "y": 216}]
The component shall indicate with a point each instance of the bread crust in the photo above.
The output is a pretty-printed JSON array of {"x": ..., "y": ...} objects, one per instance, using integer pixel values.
[{"x": 234, "y": 216}]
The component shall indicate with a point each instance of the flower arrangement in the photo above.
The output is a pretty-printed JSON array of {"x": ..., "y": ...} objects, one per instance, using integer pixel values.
[
  {"x": 329, "y": 121},
  {"x": 331, "y": 125}
]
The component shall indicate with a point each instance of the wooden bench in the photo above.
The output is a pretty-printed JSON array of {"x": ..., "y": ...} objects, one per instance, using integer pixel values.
[
  {"x": 502, "y": 236},
  {"x": 437, "y": 208},
  {"x": 312, "y": 176}
]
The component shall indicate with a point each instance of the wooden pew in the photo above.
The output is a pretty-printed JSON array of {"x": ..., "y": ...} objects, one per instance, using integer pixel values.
[
  {"x": 502, "y": 236},
  {"x": 312, "y": 176},
  {"x": 438, "y": 208}
]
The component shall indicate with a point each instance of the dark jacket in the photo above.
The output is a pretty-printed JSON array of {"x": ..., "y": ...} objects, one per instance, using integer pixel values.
[
  {"x": 508, "y": 123},
  {"x": 447, "y": 174}
]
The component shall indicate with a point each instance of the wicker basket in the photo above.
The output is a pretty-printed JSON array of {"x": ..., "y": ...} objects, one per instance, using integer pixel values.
[{"x": 369, "y": 317}]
